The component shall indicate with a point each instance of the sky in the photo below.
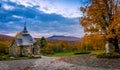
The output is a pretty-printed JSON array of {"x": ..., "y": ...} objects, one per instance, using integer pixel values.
[{"x": 42, "y": 17}]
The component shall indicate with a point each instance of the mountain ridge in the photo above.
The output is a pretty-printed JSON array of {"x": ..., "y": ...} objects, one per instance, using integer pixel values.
[
  {"x": 66, "y": 38},
  {"x": 55, "y": 37}
]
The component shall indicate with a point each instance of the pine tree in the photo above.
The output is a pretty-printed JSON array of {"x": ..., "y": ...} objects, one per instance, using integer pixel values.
[{"x": 43, "y": 42}]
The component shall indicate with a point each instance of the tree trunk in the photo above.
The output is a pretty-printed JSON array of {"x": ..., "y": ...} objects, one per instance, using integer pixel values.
[{"x": 116, "y": 45}]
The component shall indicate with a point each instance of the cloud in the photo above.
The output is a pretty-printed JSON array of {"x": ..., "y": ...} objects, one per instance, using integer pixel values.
[
  {"x": 15, "y": 16},
  {"x": 39, "y": 23},
  {"x": 54, "y": 6},
  {"x": 7, "y": 7}
]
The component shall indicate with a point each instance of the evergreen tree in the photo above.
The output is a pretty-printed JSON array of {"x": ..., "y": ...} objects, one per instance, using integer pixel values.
[{"x": 43, "y": 42}]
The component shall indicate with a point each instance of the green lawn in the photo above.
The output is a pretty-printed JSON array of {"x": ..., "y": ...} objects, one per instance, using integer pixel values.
[
  {"x": 61, "y": 54},
  {"x": 75, "y": 53}
]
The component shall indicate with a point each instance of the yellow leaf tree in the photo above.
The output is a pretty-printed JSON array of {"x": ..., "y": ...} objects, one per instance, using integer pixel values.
[{"x": 103, "y": 17}]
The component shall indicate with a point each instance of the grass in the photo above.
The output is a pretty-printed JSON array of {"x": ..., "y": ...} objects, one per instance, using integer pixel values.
[
  {"x": 110, "y": 55},
  {"x": 7, "y": 57},
  {"x": 4, "y": 57},
  {"x": 60, "y": 54},
  {"x": 82, "y": 52},
  {"x": 102, "y": 54},
  {"x": 96, "y": 52}
]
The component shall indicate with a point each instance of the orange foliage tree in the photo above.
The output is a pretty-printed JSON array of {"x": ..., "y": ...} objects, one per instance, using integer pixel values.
[
  {"x": 103, "y": 17},
  {"x": 93, "y": 42}
]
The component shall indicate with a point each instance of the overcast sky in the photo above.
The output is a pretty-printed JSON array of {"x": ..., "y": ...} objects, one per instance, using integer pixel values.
[{"x": 43, "y": 17}]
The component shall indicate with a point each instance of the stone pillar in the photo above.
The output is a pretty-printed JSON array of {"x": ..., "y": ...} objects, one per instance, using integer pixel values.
[{"x": 107, "y": 48}]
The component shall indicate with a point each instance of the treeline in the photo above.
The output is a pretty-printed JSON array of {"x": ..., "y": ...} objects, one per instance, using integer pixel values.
[
  {"x": 56, "y": 46},
  {"x": 4, "y": 46},
  {"x": 89, "y": 42},
  {"x": 51, "y": 46}
]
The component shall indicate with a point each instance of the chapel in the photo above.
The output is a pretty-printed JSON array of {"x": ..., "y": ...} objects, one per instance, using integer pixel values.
[{"x": 24, "y": 44}]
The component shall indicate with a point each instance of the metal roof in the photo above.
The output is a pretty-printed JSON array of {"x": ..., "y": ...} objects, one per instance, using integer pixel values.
[{"x": 24, "y": 38}]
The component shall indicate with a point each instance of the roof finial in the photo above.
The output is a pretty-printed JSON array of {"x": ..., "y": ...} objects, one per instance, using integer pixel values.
[{"x": 25, "y": 29}]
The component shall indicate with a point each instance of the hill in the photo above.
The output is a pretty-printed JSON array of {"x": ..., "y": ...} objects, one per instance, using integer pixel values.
[
  {"x": 5, "y": 37},
  {"x": 52, "y": 39},
  {"x": 66, "y": 38}
]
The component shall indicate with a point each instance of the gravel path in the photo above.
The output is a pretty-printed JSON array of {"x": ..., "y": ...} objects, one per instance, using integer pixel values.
[
  {"x": 45, "y": 63},
  {"x": 91, "y": 61}
]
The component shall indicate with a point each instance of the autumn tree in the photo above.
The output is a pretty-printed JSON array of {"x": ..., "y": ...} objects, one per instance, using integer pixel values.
[
  {"x": 4, "y": 49},
  {"x": 93, "y": 42},
  {"x": 103, "y": 17}
]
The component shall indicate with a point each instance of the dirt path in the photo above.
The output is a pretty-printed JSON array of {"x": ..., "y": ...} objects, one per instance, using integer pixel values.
[{"x": 45, "y": 63}]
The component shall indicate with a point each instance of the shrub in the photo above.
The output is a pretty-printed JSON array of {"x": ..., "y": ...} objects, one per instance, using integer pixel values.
[
  {"x": 82, "y": 52},
  {"x": 46, "y": 51},
  {"x": 4, "y": 48},
  {"x": 4, "y": 57},
  {"x": 110, "y": 55}
]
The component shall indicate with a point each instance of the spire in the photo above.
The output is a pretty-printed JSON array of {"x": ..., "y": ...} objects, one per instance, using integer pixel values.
[{"x": 25, "y": 29}]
